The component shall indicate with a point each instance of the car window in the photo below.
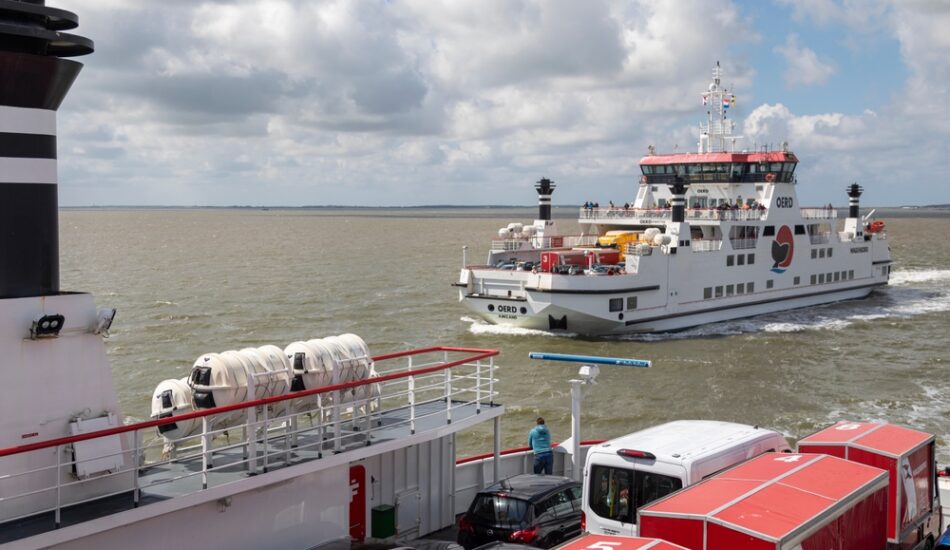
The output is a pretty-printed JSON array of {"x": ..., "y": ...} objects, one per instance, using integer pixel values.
[
  {"x": 651, "y": 486},
  {"x": 562, "y": 504},
  {"x": 499, "y": 510},
  {"x": 575, "y": 494}
]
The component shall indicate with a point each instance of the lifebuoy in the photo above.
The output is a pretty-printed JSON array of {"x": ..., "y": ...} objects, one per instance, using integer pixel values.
[
  {"x": 643, "y": 178},
  {"x": 876, "y": 226},
  {"x": 770, "y": 177}
]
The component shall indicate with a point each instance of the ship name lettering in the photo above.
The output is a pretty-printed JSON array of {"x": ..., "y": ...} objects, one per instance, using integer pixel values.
[
  {"x": 859, "y": 250},
  {"x": 784, "y": 202},
  {"x": 507, "y": 309}
]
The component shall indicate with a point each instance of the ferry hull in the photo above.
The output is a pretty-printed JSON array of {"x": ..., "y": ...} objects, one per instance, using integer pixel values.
[{"x": 545, "y": 316}]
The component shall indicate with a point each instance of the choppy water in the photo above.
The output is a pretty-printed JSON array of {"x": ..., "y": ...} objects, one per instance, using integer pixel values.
[{"x": 187, "y": 282}]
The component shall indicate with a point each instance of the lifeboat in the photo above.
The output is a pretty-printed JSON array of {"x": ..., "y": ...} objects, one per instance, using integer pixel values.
[
  {"x": 875, "y": 227},
  {"x": 173, "y": 397}
]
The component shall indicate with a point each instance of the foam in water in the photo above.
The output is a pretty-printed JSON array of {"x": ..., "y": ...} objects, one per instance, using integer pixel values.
[{"x": 479, "y": 327}]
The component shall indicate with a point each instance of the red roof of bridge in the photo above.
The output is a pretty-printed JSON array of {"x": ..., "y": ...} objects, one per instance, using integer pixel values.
[{"x": 695, "y": 158}]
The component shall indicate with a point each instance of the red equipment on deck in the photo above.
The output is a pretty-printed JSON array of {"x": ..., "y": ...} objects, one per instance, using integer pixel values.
[
  {"x": 907, "y": 456},
  {"x": 605, "y": 542},
  {"x": 777, "y": 501}
]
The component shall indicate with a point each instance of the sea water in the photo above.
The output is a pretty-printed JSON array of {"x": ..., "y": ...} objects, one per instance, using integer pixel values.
[{"x": 191, "y": 281}]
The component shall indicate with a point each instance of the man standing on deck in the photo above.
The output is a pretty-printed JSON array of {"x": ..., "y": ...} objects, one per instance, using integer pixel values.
[{"x": 539, "y": 439}]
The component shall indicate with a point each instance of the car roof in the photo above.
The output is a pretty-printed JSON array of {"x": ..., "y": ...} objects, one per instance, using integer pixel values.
[
  {"x": 529, "y": 486},
  {"x": 681, "y": 440}
]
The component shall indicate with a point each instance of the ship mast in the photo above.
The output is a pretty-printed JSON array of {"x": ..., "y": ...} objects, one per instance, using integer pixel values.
[{"x": 715, "y": 135}]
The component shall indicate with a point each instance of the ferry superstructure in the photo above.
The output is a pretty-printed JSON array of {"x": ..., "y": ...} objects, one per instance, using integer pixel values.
[{"x": 711, "y": 236}]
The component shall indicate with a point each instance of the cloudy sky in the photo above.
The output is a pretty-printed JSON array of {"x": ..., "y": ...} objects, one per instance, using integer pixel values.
[{"x": 408, "y": 102}]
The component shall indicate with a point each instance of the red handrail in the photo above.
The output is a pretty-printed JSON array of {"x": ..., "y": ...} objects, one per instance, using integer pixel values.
[
  {"x": 479, "y": 354},
  {"x": 514, "y": 450}
]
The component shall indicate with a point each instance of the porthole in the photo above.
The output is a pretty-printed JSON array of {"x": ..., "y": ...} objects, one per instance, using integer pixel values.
[
  {"x": 620, "y": 316},
  {"x": 491, "y": 307},
  {"x": 524, "y": 310}
]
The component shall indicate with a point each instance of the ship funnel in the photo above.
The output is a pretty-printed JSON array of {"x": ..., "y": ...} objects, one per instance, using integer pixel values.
[
  {"x": 545, "y": 189},
  {"x": 678, "y": 201},
  {"x": 854, "y": 193},
  {"x": 34, "y": 79}
]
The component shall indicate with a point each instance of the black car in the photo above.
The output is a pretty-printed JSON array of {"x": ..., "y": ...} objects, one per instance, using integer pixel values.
[{"x": 529, "y": 509}]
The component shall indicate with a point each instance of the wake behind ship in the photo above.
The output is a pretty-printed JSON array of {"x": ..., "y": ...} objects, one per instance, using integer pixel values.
[{"x": 711, "y": 236}]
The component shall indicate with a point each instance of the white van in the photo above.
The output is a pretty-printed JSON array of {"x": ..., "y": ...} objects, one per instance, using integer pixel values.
[{"x": 625, "y": 473}]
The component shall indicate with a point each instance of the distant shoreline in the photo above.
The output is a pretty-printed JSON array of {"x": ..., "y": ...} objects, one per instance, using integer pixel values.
[{"x": 934, "y": 207}]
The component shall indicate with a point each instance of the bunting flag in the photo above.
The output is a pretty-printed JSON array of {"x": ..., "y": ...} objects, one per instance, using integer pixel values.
[
  {"x": 733, "y": 100},
  {"x": 726, "y": 103},
  {"x": 704, "y": 100}
]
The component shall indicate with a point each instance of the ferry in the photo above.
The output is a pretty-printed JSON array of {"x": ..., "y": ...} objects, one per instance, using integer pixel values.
[
  {"x": 711, "y": 236},
  {"x": 308, "y": 444}
]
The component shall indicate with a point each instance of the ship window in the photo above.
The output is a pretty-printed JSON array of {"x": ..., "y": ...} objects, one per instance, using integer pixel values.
[
  {"x": 661, "y": 203},
  {"x": 814, "y": 253},
  {"x": 821, "y": 253},
  {"x": 740, "y": 288},
  {"x": 730, "y": 260},
  {"x": 776, "y": 167},
  {"x": 844, "y": 275},
  {"x": 707, "y": 293},
  {"x": 653, "y": 188},
  {"x": 799, "y": 229},
  {"x": 789, "y": 167},
  {"x": 768, "y": 231},
  {"x": 758, "y": 188},
  {"x": 616, "y": 304},
  {"x": 821, "y": 278},
  {"x": 814, "y": 278},
  {"x": 730, "y": 290},
  {"x": 837, "y": 276},
  {"x": 769, "y": 283},
  {"x": 718, "y": 292},
  {"x": 851, "y": 274},
  {"x": 751, "y": 258},
  {"x": 750, "y": 287},
  {"x": 740, "y": 259},
  {"x": 631, "y": 303},
  {"x": 796, "y": 280},
  {"x": 830, "y": 250}
]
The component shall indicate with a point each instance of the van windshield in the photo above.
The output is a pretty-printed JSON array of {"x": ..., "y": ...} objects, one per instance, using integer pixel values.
[{"x": 610, "y": 491}]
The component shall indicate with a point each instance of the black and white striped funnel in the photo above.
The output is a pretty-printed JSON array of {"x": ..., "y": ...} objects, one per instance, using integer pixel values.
[{"x": 34, "y": 79}]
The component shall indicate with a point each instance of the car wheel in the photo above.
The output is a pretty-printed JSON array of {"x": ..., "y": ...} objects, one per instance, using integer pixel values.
[{"x": 553, "y": 539}]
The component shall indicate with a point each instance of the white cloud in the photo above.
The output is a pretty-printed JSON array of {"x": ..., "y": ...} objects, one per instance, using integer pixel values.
[{"x": 804, "y": 67}]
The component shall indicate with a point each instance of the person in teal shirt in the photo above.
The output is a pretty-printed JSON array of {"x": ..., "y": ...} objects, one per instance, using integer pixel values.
[{"x": 539, "y": 439}]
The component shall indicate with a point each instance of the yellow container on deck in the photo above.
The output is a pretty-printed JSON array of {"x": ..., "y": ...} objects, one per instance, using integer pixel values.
[{"x": 618, "y": 238}]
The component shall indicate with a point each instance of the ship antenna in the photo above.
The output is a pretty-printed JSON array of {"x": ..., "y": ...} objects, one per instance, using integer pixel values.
[{"x": 715, "y": 135}]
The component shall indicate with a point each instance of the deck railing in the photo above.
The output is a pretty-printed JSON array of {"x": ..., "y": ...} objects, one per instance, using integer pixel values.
[
  {"x": 434, "y": 381},
  {"x": 652, "y": 215},
  {"x": 561, "y": 241}
]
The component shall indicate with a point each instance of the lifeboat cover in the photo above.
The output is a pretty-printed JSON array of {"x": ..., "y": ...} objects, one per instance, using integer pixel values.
[{"x": 776, "y": 501}]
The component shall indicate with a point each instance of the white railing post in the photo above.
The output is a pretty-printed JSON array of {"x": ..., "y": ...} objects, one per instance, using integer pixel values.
[
  {"x": 137, "y": 444},
  {"x": 491, "y": 381},
  {"x": 448, "y": 395},
  {"x": 59, "y": 481},
  {"x": 321, "y": 432},
  {"x": 205, "y": 452},
  {"x": 478, "y": 386},
  {"x": 266, "y": 453},
  {"x": 251, "y": 423},
  {"x": 412, "y": 400}
]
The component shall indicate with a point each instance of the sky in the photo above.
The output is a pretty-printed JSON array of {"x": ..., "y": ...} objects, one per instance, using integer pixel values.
[{"x": 469, "y": 102}]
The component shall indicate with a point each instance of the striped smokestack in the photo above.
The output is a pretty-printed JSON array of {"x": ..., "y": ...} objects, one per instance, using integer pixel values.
[
  {"x": 545, "y": 189},
  {"x": 33, "y": 82},
  {"x": 854, "y": 195}
]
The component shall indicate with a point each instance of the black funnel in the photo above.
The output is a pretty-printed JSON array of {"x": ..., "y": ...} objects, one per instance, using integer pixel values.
[{"x": 34, "y": 80}]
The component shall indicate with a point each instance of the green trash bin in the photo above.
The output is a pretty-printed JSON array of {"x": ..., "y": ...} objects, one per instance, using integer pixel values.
[{"x": 383, "y": 518}]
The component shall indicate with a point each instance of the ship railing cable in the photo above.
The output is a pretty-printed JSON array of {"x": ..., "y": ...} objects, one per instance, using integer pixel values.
[{"x": 275, "y": 433}]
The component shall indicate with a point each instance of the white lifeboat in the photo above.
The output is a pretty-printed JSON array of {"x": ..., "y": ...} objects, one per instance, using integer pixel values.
[{"x": 174, "y": 397}]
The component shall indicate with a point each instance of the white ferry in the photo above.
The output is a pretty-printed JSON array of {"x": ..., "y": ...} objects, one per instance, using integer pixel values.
[
  {"x": 710, "y": 236},
  {"x": 314, "y": 444}
]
